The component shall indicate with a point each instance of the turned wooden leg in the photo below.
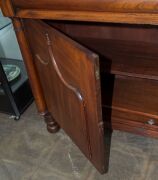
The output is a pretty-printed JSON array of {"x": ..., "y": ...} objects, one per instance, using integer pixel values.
[{"x": 52, "y": 125}]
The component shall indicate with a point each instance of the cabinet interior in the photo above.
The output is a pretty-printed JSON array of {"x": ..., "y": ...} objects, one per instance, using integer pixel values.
[
  {"x": 129, "y": 69},
  {"x": 124, "y": 49}
]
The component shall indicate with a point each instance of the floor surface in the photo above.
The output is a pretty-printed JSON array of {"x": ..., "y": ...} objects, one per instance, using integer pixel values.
[{"x": 29, "y": 152}]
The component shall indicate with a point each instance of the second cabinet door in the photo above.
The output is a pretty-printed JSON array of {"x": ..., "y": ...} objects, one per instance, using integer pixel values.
[{"x": 69, "y": 75}]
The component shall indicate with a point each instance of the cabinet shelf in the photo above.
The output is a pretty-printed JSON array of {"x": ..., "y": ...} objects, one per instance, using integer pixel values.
[
  {"x": 135, "y": 59},
  {"x": 123, "y": 50}
]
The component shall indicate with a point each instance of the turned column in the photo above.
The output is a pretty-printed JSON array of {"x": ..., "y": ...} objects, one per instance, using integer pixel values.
[{"x": 52, "y": 126}]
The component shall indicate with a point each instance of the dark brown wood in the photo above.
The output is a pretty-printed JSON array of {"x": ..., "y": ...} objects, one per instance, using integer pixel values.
[
  {"x": 52, "y": 126},
  {"x": 125, "y": 49},
  {"x": 110, "y": 17},
  {"x": 65, "y": 75},
  {"x": 95, "y": 30},
  {"x": 135, "y": 94},
  {"x": 133, "y": 106},
  {"x": 69, "y": 74},
  {"x": 124, "y": 11},
  {"x": 137, "y": 128}
]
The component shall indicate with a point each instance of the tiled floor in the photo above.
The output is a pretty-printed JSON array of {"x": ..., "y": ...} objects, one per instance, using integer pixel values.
[{"x": 29, "y": 152}]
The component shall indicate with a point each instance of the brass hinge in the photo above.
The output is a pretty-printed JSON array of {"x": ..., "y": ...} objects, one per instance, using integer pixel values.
[
  {"x": 97, "y": 74},
  {"x": 101, "y": 127}
]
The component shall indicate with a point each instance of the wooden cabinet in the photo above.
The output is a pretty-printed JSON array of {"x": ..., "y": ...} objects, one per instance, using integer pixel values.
[
  {"x": 128, "y": 64},
  {"x": 92, "y": 76},
  {"x": 70, "y": 79},
  {"x": 133, "y": 106}
]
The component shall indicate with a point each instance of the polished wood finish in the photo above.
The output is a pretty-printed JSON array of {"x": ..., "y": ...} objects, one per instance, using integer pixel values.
[
  {"x": 136, "y": 94},
  {"x": 140, "y": 6},
  {"x": 34, "y": 79},
  {"x": 130, "y": 18},
  {"x": 7, "y": 8},
  {"x": 123, "y": 11},
  {"x": 52, "y": 125},
  {"x": 64, "y": 67},
  {"x": 130, "y": 53},
  {"x": 124, "y": 49},
  {"x": 133, "y": 105},
  {"x": 69, "y": 74}
]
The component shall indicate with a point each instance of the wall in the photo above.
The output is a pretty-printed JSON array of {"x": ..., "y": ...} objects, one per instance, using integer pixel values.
[{"x": 9, "y": 47}]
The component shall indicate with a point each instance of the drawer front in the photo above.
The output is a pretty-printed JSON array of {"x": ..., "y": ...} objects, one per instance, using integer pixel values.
[
  {"x": 90, "y": 5},
  {"x": 69, "y": 76},
  {"x": 134, "y": 104}
]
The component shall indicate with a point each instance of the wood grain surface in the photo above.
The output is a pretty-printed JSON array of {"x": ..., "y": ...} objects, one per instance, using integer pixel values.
[{"x": 67, "y": 72}]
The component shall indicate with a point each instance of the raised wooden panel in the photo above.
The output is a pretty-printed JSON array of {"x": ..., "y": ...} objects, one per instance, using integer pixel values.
[{"x": 69, "y": 74}]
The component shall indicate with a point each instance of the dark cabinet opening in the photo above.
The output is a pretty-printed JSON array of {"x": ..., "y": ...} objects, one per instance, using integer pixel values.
[{"x": 128, "y": 57}]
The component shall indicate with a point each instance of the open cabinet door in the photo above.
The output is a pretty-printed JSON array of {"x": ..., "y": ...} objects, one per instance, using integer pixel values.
[{"x": 69, "y": 75}]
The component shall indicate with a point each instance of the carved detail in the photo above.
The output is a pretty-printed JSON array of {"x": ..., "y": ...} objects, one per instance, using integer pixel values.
[
  {"x": 52, "y": 126},
  {"x": 74, "y": 89},
  {"x": 41, "y": 60}
]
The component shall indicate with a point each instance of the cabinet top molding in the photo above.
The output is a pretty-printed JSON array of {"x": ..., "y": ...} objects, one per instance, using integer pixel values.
[{"x": 117, "y": 11}]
